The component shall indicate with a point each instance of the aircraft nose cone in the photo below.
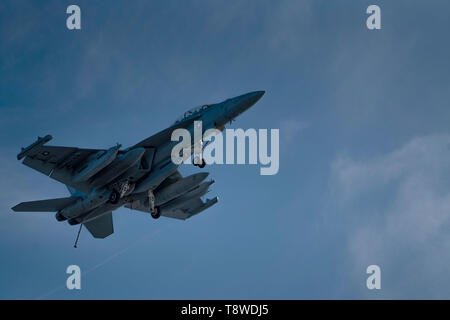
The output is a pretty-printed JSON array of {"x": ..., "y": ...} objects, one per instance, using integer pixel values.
[
  {"x": 245, "y": 101},
  {"x": 255, "y": 96},
  {"x": 237, "y": 105},
  {"x": 250, "y": 99}
]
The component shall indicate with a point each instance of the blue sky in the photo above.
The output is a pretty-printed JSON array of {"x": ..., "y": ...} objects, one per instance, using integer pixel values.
[{"x": 364, "y": 146}]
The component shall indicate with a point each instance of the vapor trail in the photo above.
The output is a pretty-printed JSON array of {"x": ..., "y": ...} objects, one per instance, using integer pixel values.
[{"x": 108, "y": 259}]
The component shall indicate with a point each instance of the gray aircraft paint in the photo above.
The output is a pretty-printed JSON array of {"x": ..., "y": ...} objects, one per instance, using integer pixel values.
[
  {"x": 98, "y": 162},
  {"x": 92, "y": 175}
]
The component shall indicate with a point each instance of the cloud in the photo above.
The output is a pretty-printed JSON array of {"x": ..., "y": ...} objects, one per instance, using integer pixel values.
[
  {"x": 396, "y": 208},
  {"x": 290, "y": 128}
]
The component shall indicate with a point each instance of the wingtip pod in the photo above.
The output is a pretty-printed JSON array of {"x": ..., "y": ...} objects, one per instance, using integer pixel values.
[
  {"x": 38, "y": 143},
  {"x": 207, "y": 204},
  {"x": 212, "y": 201}
]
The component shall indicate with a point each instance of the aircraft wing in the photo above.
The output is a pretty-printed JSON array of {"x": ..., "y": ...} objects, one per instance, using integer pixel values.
[
  {"x": 184, "y": 211},
  {"x": 58, "y": 163},
  {"x": 50, "y": 205},
  {"x": 102, "y": 226},
  {"x": 189, "y": 208}
]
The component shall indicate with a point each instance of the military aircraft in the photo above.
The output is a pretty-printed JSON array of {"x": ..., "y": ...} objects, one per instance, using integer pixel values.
[{"x": 142, "y": 177}]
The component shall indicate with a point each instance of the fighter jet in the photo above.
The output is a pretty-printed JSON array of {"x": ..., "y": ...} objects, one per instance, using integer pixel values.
[{"x": 142, "y": 177}]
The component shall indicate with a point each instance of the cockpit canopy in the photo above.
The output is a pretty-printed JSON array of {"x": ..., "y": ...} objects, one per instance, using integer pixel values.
[{"x": 192, "y": 112}]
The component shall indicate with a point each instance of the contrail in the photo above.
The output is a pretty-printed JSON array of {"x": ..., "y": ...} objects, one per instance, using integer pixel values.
[
  {"x": 108, "y": 259},
  {"x": 118, "y": 253}
]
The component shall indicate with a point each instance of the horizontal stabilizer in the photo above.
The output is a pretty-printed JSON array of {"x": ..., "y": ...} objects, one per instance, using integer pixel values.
[{"x": 50, "y": 205}]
